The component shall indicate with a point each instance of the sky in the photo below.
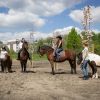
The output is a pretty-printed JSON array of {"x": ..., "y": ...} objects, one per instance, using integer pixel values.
[{"x": 20, "y": 17}]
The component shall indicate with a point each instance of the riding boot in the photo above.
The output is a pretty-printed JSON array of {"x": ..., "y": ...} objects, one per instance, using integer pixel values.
[
  {"x": 28, "y": 55},
  {"x": 18, "y": 58},
  {"x": 85, "y": 77}
]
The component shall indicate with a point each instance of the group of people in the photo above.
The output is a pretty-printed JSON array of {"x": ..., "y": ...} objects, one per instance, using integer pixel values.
[
  {"x": 5, "y": 52},
  {"x": 58, "y": 47}
]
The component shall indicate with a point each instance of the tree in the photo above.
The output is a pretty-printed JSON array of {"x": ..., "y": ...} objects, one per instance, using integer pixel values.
[
  {"x": 74, "y": 40},
  {"x": 96, "y": 41},
  {"x": 48, "y": 41}
]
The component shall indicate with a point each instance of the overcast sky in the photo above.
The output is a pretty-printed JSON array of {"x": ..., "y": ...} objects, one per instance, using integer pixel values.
[{"x": 19, "y": 17}]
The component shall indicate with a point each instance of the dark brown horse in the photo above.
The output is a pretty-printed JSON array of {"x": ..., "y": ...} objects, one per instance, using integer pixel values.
[
  {"x": 66, "y": 55},
  {"x": 24, "y": 56},
  {"x": 6, "y": 64}
]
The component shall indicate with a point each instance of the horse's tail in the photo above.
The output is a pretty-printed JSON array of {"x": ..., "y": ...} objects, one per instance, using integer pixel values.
[{"x": 9, "y": 60}]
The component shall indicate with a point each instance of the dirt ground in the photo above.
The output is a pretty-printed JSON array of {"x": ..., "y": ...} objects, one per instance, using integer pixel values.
[{"x": 39, "y": 84}]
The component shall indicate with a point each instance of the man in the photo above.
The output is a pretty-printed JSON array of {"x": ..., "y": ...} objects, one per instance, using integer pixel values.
[
  {"x": 58, "y": 48},
  {"x": 21, "y": 44},
  {"x": 85, "y": 60}
]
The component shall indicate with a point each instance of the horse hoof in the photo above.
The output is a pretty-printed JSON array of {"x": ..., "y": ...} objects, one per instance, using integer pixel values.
[
  {"x": 93, "y": 76},
  {"x": 75, "y": 73},
  {"x": 71, "y": 72},
  {"x": 52, "y": 73}
]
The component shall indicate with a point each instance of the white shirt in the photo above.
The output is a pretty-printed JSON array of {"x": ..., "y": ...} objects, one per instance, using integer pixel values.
[
  {"x": 54, "y": 46},
  {"x": 3, "y": 53},
  {"x": 85, "y": 53},
  {"x": 20, "y": 45}
]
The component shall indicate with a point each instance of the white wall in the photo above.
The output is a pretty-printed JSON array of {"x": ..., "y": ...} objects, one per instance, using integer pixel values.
[{"x": 8, "y": 46}]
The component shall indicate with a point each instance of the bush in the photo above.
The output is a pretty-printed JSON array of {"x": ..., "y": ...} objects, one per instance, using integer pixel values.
[{"x": 97, "y": 49}]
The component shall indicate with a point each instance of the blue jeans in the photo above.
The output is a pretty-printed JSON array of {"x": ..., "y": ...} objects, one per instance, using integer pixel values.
[
  {"x": 58, "y": 50},
  {"x": 84, "y": 68}
]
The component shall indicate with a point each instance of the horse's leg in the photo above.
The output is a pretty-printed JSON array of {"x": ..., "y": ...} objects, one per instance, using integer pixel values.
[
  {"x": 25, "y": 66},
  {"x": 52, "y": 66},
  {"x": 21, "y": 66},
  {"x": 96, "y": 75},
  {"x": 2, "y": 66},
  {"x": 70, "y": 62},
  {"x": 90, "y": 64},
  {"x": 9, "y": 66},
  {"x": 55, "y": 64},
  {"x": 94, "y": 68},
  {"x": 74, "y": 66},
  {"x": 5, "y": 66}
]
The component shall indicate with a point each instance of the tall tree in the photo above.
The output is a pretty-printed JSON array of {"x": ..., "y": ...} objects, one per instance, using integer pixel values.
[{"x": 74, "y": 40}]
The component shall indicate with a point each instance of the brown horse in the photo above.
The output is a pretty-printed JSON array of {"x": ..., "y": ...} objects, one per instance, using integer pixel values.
[
  {"x": 6, "y": 64},
  {"x": 24, "y": 56},
  {"x": 66, "y": 55}
]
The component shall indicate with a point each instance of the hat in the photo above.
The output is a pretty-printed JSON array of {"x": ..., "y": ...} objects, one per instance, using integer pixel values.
[
  {"x": 59, "y": 36},
  {"x": 3, "y": 48},
  {"x": 85, "y": 42}
]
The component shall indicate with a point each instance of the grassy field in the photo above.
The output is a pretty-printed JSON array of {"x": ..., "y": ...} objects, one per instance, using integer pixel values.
[{"x": 34, "y": 56}]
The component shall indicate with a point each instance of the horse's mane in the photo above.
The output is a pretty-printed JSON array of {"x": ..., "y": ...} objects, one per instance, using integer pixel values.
[{"x": 47, "y": 47}]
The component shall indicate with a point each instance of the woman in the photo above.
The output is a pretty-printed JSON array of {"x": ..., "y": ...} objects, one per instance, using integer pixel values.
[
  {"x": 85, "y": 61},
  {"x": 58, "y": 48},
  {"x": 3, "y": 53}
]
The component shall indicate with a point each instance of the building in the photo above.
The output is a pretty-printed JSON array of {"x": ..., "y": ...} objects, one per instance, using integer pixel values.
[{"x": 13, "y": 45}]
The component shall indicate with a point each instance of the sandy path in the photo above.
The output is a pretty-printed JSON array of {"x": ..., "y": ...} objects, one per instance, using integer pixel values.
[{"x": 41, "y": 85}]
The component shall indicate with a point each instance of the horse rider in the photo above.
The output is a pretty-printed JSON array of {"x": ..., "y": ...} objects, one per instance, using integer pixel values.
[
  {"x": 21, "y": 44},
  {"x": 85, "y": 60},
  {"x": 3, "y": 53},
  {"x": 59, "y": 47}
]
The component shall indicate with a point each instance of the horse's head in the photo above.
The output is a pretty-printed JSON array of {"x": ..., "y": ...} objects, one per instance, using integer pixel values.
[
  {"x": 44, "y": 49},
  {"x": 25, "y": 45},
  {"x": 41, "y": 51},
  {"x": 79, "y": 57}
]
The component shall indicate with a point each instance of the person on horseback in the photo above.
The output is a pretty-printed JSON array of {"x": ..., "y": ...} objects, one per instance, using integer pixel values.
[
  {"x": 3, "y": 53},
  {"x": 21, "y": 45},
  {"x": 85, "y": 60},
  {"x": 59, "y": 47}
]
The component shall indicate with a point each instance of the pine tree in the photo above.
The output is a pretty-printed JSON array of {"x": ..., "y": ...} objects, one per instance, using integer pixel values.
[{"x": 74, "y": 40}]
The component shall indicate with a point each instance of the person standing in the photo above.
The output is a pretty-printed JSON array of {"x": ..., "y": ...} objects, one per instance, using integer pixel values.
[{"x": 85, "y": 60}]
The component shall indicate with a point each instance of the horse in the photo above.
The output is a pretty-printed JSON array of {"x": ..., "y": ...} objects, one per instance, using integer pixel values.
[
  {"x": 68, "y": 55},
  {"x": 6, "y": 64},
  {"x": 24, "y": 56},
  {"x": 94, "y": 62}
]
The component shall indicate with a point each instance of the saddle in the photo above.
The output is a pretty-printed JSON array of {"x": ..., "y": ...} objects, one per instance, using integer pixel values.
[{"x": 60, "y": 55}]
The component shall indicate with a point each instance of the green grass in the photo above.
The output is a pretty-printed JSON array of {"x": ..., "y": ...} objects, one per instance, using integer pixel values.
[{"x": 35, "y": 57}]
